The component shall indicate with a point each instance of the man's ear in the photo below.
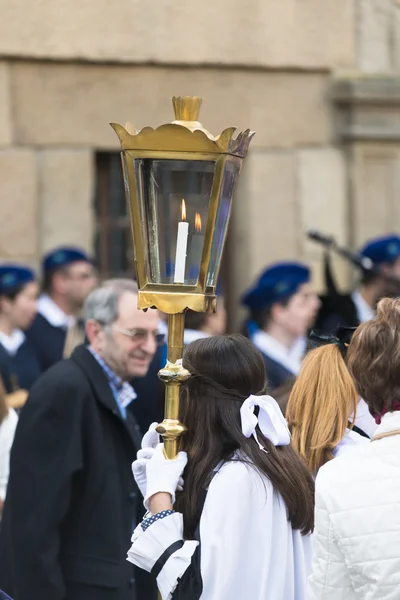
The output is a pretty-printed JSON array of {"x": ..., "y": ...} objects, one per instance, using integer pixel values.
[{"x": 92, "y": 329}]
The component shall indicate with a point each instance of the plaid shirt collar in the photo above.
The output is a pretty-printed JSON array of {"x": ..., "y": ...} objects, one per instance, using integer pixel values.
[{"x": 125, "y": 392}]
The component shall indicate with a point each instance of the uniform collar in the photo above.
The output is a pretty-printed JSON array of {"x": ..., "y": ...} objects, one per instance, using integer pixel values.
[
  {"x": 53, "y": 313},
  {"x": 12, "y": 343},
  {"x": 288, "y": 358},
  {"x": 191, "y": 335},
  {"x": 364, "y": 311}
]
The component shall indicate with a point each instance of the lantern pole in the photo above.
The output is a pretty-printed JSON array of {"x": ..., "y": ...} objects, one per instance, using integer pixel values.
[{"x": 173, "y": 375}]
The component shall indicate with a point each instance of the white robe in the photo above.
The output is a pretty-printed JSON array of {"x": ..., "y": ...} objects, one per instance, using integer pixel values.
[{"x": 248, "y": 547}]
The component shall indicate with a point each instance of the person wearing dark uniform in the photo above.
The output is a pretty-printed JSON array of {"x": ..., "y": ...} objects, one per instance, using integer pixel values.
[
  {"x": 19, "y": 363},
  {"x": 282, "y": 307},
  {"x": 349, "y": 310},
  {"x": 68, "y": 278}
]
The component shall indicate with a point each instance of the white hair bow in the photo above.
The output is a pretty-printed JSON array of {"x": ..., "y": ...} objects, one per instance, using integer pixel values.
[{"x": 270, "y": 420}]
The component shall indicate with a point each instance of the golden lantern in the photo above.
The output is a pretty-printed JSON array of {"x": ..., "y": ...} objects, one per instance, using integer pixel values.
[{"x": 179, "y": 183}]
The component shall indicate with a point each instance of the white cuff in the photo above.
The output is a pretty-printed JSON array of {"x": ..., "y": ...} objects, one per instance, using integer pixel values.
[
  {"x": 149, "y": 545},
  {"x": 174, "y": 568}
]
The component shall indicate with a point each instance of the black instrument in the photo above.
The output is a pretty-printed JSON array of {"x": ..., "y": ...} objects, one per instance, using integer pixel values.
[{"x": 364, "y": 263}]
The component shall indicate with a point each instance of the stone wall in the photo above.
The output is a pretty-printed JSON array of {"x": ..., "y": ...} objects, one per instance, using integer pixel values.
[
  {"x": 6, "y": 136},
  {"x": 72, "y": 104},
  {"x": 19, "y": 203},
  {"x": 66, "y": 187},
  {"x": 311, "y": 34},
  {"x": 378, "y": 36},
  {"x": 368, "y": 126}
]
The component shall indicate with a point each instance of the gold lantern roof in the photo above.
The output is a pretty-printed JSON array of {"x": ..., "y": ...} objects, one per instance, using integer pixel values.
[{"x": 184, "y": 134}]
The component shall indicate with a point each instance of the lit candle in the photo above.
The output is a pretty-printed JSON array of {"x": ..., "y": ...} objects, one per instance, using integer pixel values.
[
  {"x": 181, "y": 247},
  {"x": 196, "y": 246}
]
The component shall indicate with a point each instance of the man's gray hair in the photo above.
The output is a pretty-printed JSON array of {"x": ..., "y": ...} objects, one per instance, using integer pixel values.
[{"x": 102, "y": 303}]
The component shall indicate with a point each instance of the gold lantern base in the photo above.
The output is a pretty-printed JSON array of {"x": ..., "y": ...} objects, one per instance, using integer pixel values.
[{"x": 173, "y": 303}]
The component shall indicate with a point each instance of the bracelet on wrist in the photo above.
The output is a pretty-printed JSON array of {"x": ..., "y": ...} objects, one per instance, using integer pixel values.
[{"x": 153, "y": 518}]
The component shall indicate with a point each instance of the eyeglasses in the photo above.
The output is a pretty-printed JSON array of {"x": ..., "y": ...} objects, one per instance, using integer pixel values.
[{"x": 141, "y": 335}]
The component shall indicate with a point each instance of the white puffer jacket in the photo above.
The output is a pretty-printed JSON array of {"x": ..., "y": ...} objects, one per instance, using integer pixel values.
[{"x": 356, "y": 543}]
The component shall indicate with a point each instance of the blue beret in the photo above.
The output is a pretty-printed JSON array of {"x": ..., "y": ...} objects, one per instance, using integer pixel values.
[
  {"x": 276, "y": 284},
  {"x": 382, "y": 250},
  {"x": 14, "y": 276},
  {"x": 61, "y": 257}
]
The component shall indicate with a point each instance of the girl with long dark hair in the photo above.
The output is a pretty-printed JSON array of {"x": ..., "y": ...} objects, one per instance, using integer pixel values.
[{"x": 240, "y": 527}]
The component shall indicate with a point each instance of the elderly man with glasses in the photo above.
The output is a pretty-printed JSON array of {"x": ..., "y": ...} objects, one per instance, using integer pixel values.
[{"x": 71, "y": 502}]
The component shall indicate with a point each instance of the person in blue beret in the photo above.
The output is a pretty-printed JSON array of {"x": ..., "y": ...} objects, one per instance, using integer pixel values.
[
  {"x": 283, "y": 306},
  {"x": 19, "y": 363},
  {"x": 360, "y": 305},
  {"x": 68, "y": 278}
]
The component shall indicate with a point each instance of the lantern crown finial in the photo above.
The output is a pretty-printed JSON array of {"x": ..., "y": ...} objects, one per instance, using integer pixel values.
[
  {"x": 186, "y": 108},
  {"x": 184, "y": 134}
]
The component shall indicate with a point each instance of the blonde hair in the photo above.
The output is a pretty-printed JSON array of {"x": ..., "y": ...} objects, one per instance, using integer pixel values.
[{"x": 319, "y": 406}]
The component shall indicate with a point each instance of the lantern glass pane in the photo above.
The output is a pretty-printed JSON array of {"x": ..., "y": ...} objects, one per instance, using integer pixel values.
[
  {"x": 174, "y": 197},
  {"x": 231, "y": 172}
]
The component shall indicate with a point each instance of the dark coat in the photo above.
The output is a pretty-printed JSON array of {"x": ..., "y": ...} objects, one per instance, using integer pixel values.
[
  {"x": 149, "y": 404},
  {"x": 277, "y": 374},
  {"x": 71, "y": 499},
  {"x": 47, "y": 340},
  {"x": 23, "y": 367},
  {"x": 337, "y": 309}
]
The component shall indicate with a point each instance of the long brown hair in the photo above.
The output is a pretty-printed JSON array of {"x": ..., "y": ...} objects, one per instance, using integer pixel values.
[
  {"x": 374, "y": 358},
  {"x": 225, "y": 371},
  {"x": 319, "y": 406}
]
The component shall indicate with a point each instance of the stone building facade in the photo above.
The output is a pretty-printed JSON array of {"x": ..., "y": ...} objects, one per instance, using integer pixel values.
[{"x": 317, "y": 79}]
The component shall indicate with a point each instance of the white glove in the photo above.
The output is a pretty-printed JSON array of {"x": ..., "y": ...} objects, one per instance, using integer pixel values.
[
  {"x": 163, "y": 475},
  {"x": 149, "y": 443}
]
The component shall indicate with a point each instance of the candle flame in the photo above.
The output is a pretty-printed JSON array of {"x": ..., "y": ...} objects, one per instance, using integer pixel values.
[
  {"x": 183, "y": 210},
  {"x": 197, "y": 223}
]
